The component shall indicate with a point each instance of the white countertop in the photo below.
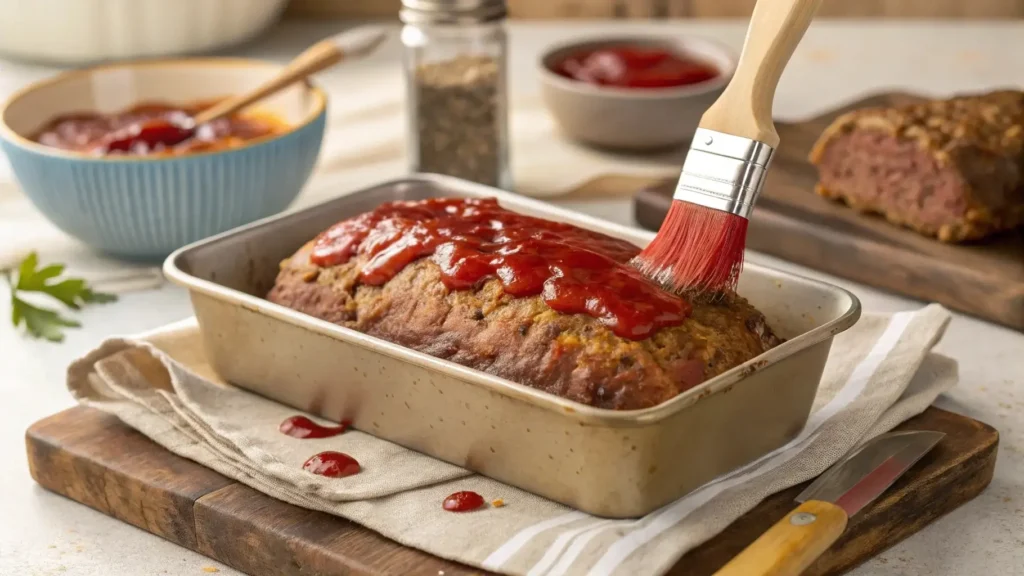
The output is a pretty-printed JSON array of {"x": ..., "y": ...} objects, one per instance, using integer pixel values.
[{"x": 44, "y": 534}]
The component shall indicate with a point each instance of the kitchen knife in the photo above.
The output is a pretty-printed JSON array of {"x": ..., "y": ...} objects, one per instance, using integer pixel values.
[{"x": 789, "y": 547}]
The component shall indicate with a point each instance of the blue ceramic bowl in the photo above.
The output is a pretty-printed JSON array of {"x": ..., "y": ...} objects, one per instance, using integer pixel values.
[{"x": 146, "y": 207}]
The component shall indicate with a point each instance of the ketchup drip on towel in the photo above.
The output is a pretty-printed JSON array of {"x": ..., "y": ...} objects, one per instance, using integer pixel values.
[
  {"x": 465, "y": 501},
  {"x": 302, "y": 427},
  {"x": 332, "y": 465},
  {"x": 575, "y": 270}
]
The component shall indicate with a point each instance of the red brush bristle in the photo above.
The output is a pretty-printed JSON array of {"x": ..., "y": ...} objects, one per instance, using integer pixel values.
[{"x": 697, "y": 250}]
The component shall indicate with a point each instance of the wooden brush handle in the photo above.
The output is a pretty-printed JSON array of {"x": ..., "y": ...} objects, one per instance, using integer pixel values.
[
  {"x": 789, "y": 547},
  {"x": 324, "y": 54},
  {"x": 745, "y": 107}
]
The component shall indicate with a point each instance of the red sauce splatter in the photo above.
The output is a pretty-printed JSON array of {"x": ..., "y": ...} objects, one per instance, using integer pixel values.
[
  {"x": 302, "y": 427},
  {"x": 575, "y": 270},
  {"x": 635, "y": 67},
  {"x": 332, "y": 465},
  {"x": 463, "y": 502}
]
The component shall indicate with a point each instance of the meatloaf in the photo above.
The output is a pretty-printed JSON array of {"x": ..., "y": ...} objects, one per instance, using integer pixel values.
[
  {"x": 952, "y": 168},
  {"x": 518, "y": 337}
]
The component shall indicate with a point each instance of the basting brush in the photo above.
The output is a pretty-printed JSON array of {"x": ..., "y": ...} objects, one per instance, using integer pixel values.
[{"x": 699, "y": 247}]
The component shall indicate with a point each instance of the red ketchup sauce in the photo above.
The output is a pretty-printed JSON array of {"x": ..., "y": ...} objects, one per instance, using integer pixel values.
[
  {"x": 302, "y": 427},
  {"x": 154, "y": 129},
  {"x": 332, "y": 465},
  {"x": 575, "y": 270},
  {"x": 463, "y": 502},
  {"x": 635, "y": 67},
  {"x": 149, "y": 135}
]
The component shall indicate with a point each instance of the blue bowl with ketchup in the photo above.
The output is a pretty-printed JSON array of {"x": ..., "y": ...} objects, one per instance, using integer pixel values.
[
  {"x": 97, "y": 151},
  {"x": 634, "y": 93}
]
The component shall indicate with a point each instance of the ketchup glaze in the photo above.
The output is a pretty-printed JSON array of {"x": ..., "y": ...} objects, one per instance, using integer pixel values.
[
  {"x": 576, "y": 271},
  {"x": 154, "y": 128},
  {"x": 635, "y": 66}
]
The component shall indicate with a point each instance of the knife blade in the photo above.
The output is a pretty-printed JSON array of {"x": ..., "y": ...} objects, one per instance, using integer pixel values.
[
  {"x": 800, "y": 537},
  {"x": 865, "y": 474}
]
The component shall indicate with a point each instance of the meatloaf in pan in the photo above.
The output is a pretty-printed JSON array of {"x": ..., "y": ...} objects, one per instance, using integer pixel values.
[
  {"x": 952, "y": 169},
  {"x": 544, "y": 304}
]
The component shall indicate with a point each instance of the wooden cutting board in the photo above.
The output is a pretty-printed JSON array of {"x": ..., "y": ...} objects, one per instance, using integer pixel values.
[
  {"x": 93, "y": 458},
  {"x": 792, "y": 222}
]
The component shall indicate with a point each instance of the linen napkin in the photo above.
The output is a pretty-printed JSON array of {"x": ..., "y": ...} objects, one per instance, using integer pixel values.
[{"x": 879, "y": 373}]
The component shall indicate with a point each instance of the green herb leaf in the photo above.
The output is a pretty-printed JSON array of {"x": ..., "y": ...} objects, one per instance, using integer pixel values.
[
  {"x": 37, "y": 280},
  {"x": 71, "y": 292},
  {"x": 15, "y": 311},
  {"x": 40, "y": 322},
  {"x": 90, "y": 297},
  {"x": 68, "y": 292},
  {"x": 27, "y": 268}
]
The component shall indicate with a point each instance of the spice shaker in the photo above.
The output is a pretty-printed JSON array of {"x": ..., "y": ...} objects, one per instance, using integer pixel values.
[{"x": 455, "y": 68}]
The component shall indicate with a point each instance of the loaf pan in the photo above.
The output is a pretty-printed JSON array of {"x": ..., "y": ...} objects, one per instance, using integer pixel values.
[{"x": 608, "y": 463}]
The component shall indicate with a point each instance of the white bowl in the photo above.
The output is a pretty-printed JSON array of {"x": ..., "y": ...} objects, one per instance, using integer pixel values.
[
  {"x": 633, "y": 118},
  {"x": 80, "y": 31}
]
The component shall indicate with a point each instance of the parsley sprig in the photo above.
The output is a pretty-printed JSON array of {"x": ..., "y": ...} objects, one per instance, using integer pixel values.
[{"x": 46, "y": 323}]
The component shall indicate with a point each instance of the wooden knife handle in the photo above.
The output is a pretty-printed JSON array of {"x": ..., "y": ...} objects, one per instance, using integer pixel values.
[
  {"x": 745, "y": 106},
  {"x": 789, "y": 547}
]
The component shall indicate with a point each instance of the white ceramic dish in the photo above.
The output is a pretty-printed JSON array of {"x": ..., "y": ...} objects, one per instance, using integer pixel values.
[
  {"x": 633, "y": 119},
  {"x": 80, "y": 31}
]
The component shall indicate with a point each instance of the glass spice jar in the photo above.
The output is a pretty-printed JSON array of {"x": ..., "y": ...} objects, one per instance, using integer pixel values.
[{"x": 455, "y": 69}]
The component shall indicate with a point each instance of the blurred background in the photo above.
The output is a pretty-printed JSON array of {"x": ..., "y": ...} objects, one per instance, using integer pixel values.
[
  {"x": 93, "y": 30},
  {"x": 539, "y": 9}
]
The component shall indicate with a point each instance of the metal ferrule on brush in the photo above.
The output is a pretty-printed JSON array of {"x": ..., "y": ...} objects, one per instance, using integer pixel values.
[{"x": 723, "y": 172}]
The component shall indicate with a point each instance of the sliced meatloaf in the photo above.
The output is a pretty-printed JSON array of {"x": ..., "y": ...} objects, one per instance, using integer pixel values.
[
  {"x": 521, "y": 338},
  {"x": 952, "y": 169}
]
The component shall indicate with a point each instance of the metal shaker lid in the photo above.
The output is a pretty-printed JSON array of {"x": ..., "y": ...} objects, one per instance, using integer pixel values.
[{"x": 452, "y": 11}]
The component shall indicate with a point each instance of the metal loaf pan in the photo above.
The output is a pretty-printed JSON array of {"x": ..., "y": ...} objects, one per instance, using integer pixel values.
[{"x": 605, "y": 462}]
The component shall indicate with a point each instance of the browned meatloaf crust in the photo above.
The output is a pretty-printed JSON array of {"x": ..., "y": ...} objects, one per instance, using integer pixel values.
[
  {"x": 952, "y": 169},
  {"x": 522, "y": 339}
]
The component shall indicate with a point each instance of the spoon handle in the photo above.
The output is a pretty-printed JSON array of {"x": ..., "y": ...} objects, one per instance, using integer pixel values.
[{"x": 354, "y": 43}]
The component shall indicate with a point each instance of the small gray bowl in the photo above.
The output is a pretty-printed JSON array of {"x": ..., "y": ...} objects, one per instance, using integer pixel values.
[{"x": 633, "y": 118}]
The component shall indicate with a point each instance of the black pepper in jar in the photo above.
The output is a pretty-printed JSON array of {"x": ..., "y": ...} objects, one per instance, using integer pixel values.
[{"x": 458, "y": 115}]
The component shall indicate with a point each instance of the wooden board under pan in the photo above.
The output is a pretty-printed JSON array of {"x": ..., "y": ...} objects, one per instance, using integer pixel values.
[{"x": 93, "y": 458}]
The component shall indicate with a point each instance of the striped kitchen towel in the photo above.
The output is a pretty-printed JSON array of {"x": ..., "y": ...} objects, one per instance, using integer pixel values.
[{"x": 879, "y": 373}]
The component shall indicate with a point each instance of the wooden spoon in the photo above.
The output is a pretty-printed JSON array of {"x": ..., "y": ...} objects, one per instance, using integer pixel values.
[{"x": 351, "y": 44}]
